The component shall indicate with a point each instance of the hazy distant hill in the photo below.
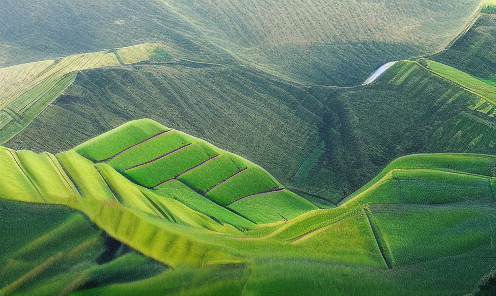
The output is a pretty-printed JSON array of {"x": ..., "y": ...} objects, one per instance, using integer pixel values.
[{"x": 322, "y": 42}]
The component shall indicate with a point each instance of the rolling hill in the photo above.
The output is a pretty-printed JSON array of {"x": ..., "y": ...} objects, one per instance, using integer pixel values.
[
  {"x": 378, "y": 188},
  {"x": 217, "y": 242},
  {"x": 319, "y": 42},
  {"x": 325, "y": 142}
]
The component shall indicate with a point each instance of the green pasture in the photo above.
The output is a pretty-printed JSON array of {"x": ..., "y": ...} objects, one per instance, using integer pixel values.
[
  {"x": 210, "y": 173},
  {"x": 465, "y": 80},
  {"x": 148, "y": 150},
  {"x": 250, "y": 181},
  {"x": 182, "y": 193},
  {"x": 153, "y": 173},
  {"x": 271, "y": 207},
  {"x": 420, "y": 211}
]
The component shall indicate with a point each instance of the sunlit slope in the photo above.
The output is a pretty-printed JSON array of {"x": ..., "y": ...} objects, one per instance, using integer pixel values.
[
  {"x": 47, "y": 250},
  {"x": 474, "y": 51},
  {"x": 271, "y": 122},
  {"x": 409, "y": 109},
  {"x": 26, "y": 90},
  {"x": 424, "y": 214},
  {"x": 159, "y": 160},
  {"x": 327, "y": 42}
]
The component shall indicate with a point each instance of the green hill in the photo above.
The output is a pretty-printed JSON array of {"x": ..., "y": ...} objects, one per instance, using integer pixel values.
[
  {"x": 28, "y": 89},
  {"x": 424, "y": 215},
  {"x": 319, "y": 42},
  {"x": 474, "y": 52},
  {"x": 324, "y": 142},
  {"x": 241, "y": 109}
]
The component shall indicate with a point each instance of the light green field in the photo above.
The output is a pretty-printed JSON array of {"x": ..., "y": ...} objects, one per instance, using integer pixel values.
[
  {"x": 28, "y": 92},
  {"x": 427, "y": 212}
]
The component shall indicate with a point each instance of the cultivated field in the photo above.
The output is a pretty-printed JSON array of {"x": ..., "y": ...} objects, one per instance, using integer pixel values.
[
  {"x": 365, "y": 245},
  {"x": 28, "y": 89}
]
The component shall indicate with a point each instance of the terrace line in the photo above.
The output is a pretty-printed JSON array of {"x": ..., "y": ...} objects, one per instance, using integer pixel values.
[
  {"x": 220, "y": 183},
  {"x": 160, "y": 157},
  {"x": 190, "y": 169},
  {"x": 278, "y": 189},
  {"x": 137, "y": 144}
]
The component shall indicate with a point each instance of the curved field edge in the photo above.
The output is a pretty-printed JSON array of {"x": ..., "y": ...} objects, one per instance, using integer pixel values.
[
  {"x": 377, "y": 227},
  {"x": 29, "y": 89}
]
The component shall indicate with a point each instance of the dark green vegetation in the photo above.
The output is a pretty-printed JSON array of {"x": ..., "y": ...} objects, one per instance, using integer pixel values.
[
  {"x": 423, "y": 215},
  {"x": 341, "y": 41},
  {"x": 53, "y": 248}
]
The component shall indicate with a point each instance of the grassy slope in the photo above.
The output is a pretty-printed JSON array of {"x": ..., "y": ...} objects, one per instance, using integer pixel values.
[
  {"x": 357, "y": 138},
  {"x": 28, "y": 92},
  {"x": 275, "y": 37},
  {"x": 473, "y": 53},
  {"x": 408, "y": 110},
  {"x": 377, "y": 229},
  {"x": 47, "y": 250},
  {"x": 465, "y": 80},
  {"x": 232, "y": 111},
  {"x": 167, "y": 163}
]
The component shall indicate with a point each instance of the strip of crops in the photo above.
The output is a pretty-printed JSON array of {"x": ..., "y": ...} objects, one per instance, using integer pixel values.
[
  {"x": 272, "y": 206},
  {"x": 465, "y": 80},
  {"x": 153, "y": 173}
]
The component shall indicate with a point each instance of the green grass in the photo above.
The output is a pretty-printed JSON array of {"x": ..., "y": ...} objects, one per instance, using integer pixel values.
[
  {"x": 210, "y": 173},
  {"x": 148, "y": 150},
  {"x": 15, "y": 183},
  {"x": 422, "y": 212},
  {"x": 465, "y": 80},
  {"x": 124, "y": 191},
  {"x": 50, "y": 180},
  {"x": 109, "y": 144},
  {"x": 431, "y": 231},
  {"x": 86, "y": 178},
  {"x": 491, "y": 81},
  {"x": 153, "y": 173},
  {"x": 270, "y": 207},
  {"x": 182, "y": 193},
  {"x": 253, "y": 180}
]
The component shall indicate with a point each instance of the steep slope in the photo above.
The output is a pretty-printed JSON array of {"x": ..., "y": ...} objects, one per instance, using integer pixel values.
[
  {"x": 474, "y": 52},
  {"x": 26, "y": 90},
  {"x": 159, "y": 160},
  {"x": 409, "y": 109},
  {"x": 423, "y": 215},
  {"x": 53, "y": 248},
  {"x": 248, "y": 112}
]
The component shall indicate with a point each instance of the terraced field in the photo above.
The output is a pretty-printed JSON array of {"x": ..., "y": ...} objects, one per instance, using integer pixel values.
[
  {"x": 365, "y": 245},
  {"x": 28, "y": 92},
  {"x": 232, "y": 111}
]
